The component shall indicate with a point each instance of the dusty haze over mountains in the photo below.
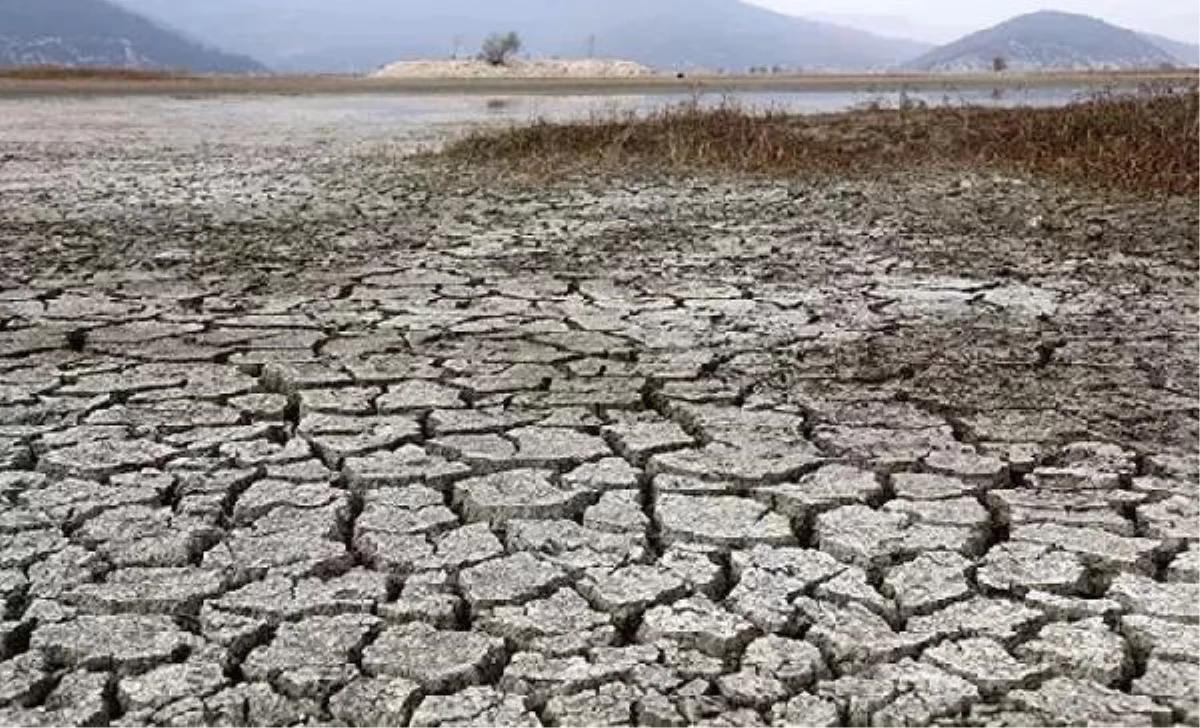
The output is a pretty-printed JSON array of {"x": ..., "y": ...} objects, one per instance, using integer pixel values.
[
  {"x": 694, "y": 35},
  {"x": 362, "y": 34},
  {"x": 942, "y": 21},
  {"x": 357, "y": 35}
]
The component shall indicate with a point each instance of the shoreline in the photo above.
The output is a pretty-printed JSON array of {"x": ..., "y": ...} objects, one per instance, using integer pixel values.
[{"x": 16, "y": 87}]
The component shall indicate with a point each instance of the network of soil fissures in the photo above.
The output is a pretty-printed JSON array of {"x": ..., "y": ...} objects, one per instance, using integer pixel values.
[{"x": 295, "y": 432}]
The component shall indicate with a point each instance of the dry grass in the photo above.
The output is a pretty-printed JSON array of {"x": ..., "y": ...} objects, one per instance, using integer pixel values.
[
  {"x": 68, "y": 73},
  {"x": 1141, "y": 144}
]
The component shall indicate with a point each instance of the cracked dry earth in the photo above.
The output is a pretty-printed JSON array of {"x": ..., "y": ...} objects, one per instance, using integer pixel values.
[{"x": 294, "y": 431}]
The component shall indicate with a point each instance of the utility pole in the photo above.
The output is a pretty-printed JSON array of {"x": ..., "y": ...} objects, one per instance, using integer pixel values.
[{"x": 457, "y": 47}]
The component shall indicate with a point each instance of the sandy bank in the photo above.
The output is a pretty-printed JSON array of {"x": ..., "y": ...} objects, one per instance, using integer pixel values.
[{"x": 542, "y": 68}]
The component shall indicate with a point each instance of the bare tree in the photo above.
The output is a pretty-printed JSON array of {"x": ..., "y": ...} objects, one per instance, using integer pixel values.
[
  {"x": 999, "y": 64},
  {"x": 498, "y": 47}
]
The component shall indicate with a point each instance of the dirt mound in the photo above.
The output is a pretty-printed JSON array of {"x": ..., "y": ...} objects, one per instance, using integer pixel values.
[{"x": 580, "y": 68}]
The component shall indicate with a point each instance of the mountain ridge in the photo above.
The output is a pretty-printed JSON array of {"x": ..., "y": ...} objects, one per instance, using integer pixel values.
[
  {"x": 715, "y": 35},
  {"x": 1185, "y": 53},
  {"x": 76, "y": 33},
  {"x": 1047, "y": 39}
]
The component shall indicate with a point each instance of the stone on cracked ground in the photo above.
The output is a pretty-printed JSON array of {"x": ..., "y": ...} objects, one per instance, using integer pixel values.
[
  {"x": 24, "y": 679},
  {"x": 608, "y": 474},
  {"x": 770, "y": 580},
  {"x": 618, "y": 511},
  {"x": 128, "y": 644},
  {"x": 807, "y": 710},
  {"x": 1159, "y": 637},
  {"x": 407, "y": 465},
  {"x": 478, "y": 707},
  {"x": 148, "y": 591},
  {"x": 561, "y": 624},
  {"x": 629, "y": 591},
  {"x": 375, "y": 702},
  {"x": 1098, "y": 549},
  {"x": 98, "y": 460},
  {"x": 700, "y": 624},
  {"x": 852, "y": 637},
  {"x": 927, "y": 486},
  {"x": 449, "y": 550},
  {"x": 418, "y": 395},
  {"x": 312, "y": 658},
  {"x": 608, "y": 705},
  {"x": 169, "y": 683},
  {"x": 1020, "y": 567},
  {"x": 1087, "y": 650},
  {"x": 510, "y": 580},
  {"x": 794, "y": 663},
  {"x": 1174, "y": 682},
  {"x": 427, "y": 597},
  {"x": 556, "y": 447},
  {"x": 1102, "y": 510},
  {"x": 1140, "y": 595},
  {"x": 749, "y": 464},
  {"x": 438, "y": 660},
  {"x": 985, "y": 663},
  {"x": 928, "y": 582},
  {"x": 1066, "y": 701},
  {"x": 828, "y": 487},
  {"x": 280, "y": 597},
  {"x": 999, "y": 619},
  {"x": 853, "y": 586},
  {"x": 541, "y": 677},
  {"x": 978, "y": 470},
  {"x": 79, "y": 698},
  {"x": 410, "y": 511},
  {"x": 1186, "y": 566},
  {"x": 266, "y": 495},
  {"x": 901, "y": 693},
  {"x": 638, "y": 440},
  {"x": 873, "y": 539},
  {"x": 574, "y": 548},
  {"x": 519, "y": 494},
  {"x": 723, "y": 522}
]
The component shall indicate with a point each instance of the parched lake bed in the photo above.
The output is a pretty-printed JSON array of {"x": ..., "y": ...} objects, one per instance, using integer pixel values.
[{"x": 297, "y": 428}]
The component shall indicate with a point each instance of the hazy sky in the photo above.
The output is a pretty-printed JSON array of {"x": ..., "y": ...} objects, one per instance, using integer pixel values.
[{"x": 944, "y": 20}]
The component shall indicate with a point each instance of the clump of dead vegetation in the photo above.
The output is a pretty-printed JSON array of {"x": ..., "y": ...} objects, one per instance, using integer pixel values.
[
  {"x": 1144, "y": 143},
  {"x": 73, "y": 73}
]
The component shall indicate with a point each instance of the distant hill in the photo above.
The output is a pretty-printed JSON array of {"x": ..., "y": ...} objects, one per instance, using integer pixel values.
[
  {"x": 1187, "y": 54},
  {"x": 1047, "y": 40},
  {"x": 100, "y": 33},
  {"x": 361, "y": 35}
]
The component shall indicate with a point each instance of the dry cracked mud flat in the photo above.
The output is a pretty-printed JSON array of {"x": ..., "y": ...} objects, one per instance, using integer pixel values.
[{"x": 296, "y": 431}]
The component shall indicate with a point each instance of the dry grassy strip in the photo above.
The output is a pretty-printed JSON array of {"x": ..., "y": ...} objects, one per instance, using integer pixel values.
[
  {"x": 70, "y": 73},
  {"x": 1141, "y": 144}
]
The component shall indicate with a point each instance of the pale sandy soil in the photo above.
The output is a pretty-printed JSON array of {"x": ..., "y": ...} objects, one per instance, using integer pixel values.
[{"x": 541, "y": 68}]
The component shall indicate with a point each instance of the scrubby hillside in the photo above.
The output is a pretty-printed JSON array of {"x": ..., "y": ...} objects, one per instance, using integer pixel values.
[
  {"x": 1187, "y": 54},
  {"x": 1047, "y": 40},
  {"x": 101, "y": 33}
]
